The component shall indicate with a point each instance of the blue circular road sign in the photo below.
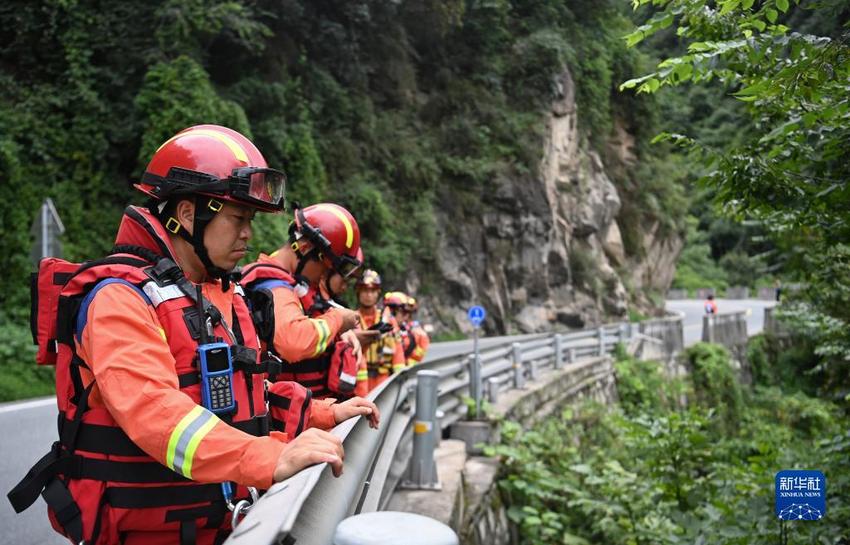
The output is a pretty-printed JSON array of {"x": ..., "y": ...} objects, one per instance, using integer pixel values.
[{"x": 476, "y": 315}]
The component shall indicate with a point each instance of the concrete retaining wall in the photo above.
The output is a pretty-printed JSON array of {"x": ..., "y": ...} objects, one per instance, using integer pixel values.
[
  {"x": 774, "y": 326},
  {"x": 661, "y": 339}
]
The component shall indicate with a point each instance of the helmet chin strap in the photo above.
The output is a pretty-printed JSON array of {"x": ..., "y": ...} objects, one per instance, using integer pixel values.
[
  {"x": 303, "y": 258},
  {"x": 328, "y": 286},
  {"x": 204, "y": 213}
]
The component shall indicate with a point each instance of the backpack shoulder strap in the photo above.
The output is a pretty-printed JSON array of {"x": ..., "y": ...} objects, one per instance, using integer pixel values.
[{"x": 82, "y": 313}]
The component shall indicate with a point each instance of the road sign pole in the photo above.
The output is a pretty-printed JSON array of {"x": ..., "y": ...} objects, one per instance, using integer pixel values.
[
  {"x": 44, "y": 241},
  {"x": 476, "y": 315},
  {"x": 476, "y": 365}
]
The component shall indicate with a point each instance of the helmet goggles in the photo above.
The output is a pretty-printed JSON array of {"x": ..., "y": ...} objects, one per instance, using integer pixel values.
[{"x": 254, "y": 186}]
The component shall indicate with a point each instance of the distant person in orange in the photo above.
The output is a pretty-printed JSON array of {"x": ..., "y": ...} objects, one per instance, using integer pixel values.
[
  {"x": 395, "y": 303},
  {"x": 384, "y": 354},
  {"x": 317, "y": 346},
  {"x": 710, "y": 305},
  {"x": 421, "y": 339}
]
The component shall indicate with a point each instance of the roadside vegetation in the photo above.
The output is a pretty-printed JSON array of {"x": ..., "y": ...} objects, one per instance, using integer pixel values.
[{"x": 680, "y": 461}]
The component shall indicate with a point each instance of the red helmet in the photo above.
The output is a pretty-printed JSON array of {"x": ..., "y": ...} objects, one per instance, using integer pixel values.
[
  {"x": 215, "y": 161},
  {"x": 333, "y": 233},
  {"x": 395, "y": 299},
  {"x": 370, "y": 279}
]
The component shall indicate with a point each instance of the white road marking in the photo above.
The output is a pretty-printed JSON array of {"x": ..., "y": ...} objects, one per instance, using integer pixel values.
[{"x": 23, "y": 405}]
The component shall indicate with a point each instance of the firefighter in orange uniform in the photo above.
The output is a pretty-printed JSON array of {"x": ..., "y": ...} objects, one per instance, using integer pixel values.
[
  {"x": 151, "y": 450},
  {"x": 420, "y": 336},
  {"x": 396, "y": 313},
  {"x": 317, "y": 301},
  {"x": 317, "y": 346},
  {"x": 384, "y": 355}
]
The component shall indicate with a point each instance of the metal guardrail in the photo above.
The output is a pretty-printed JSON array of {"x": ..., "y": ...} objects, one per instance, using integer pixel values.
[{"x": 308, "y": 506}]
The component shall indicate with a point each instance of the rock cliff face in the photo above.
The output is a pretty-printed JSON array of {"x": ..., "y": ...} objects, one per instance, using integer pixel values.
[{"x": 547, "y": 251}]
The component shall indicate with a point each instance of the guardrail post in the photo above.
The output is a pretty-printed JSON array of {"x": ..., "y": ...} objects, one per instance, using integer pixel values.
[
  {"x": 559, "y": 351},
  {"x": 475, "y": 384},
  {"x": 601, "y": 334},
  {"x": 532, "y": 369},
  {"x": 571, "y": 355},
  {"x": 423, "y": 470},
  {"x": 492, "y": 390},
  {"x": 519, "y": 372}
]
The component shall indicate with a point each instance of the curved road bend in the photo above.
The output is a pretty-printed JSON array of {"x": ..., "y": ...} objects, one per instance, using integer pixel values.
[{"x": 693, "y": 311}]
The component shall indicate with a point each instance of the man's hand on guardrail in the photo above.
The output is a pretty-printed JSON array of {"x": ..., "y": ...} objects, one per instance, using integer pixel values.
[
  {"x": 357, "y": 406},
  {"x": 313, "y": 446}
]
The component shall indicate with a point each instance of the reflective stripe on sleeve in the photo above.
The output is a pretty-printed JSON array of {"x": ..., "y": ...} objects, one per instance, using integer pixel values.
[
  {"x": 324, "y": 333},
  {"x": 185, "y": 438}
]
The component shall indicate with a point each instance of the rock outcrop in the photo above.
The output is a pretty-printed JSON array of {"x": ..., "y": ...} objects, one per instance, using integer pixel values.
[{"x": 547, "y": 251}]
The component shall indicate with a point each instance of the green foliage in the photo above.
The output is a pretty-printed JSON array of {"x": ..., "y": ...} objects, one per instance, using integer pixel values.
[
  {"x": 642, "y": 385},
  {"x": 648, "y": 472},
  {"x": 788, "y": 363},
  {"x": 715, "y": 383},
  {"x": 695, "y": 268},
  {"x": 472, "y": 411},
  {"x": 761, "y": 368},
  {"x": 176, "y": 95},
  {"x": 19, "y": 376}
]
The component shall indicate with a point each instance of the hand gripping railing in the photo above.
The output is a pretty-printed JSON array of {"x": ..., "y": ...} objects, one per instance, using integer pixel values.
[{"x": 308, "y": 506}]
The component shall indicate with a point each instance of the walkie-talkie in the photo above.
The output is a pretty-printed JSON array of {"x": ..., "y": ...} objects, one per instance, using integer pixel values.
[{"x": 216, "y": 368}]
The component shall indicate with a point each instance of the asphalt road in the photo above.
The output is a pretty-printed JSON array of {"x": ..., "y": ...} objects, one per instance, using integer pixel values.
[{"x": 28, "y": 428}]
